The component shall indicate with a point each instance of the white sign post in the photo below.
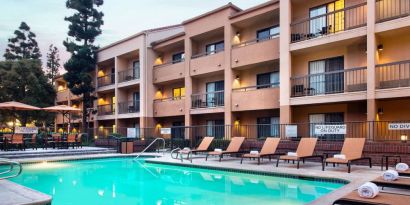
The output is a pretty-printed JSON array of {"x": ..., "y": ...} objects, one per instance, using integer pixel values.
[
  {"x": 26, "y": 130},
  {"x": 339, "y": 129},
  {"x": 291, "y": 130},
  {"x": 165, "y": 131},
  {"x": 399, "y": 126},
  {"x": 131, "y": 132}
]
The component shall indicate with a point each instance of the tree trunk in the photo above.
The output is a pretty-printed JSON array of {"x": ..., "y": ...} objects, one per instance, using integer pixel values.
[{"x": 86, "y": 98}]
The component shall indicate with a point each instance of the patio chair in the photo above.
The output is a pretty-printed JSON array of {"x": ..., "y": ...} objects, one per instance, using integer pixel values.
[
  {"x": 304, "y": 151},
  {"x": 57, "y": 139},
  {"x": 6, "y": 141},
  {"x": 203, "y": 147},
  {"x": 268, "y": 150},
  {"x": 382, "y": 198},
  {"x": 353, "y": 150},
  {"x": 233, "y": 148},
  {"x": 48, "y": 141},
  {"x": 79, "y": 140},
  {"x": 31, "y": 142},
  {"x": 400, "y": 183},
  {"x": 18, "y": 141},
  {"x": 71, "y": 140}
]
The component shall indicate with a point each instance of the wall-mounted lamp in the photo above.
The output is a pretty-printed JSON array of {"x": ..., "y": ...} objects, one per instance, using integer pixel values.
[
  {"x": 403, "y": 138},
  {"x": 237, "y": 77},
  {"x": 380, "y": 111},
  {"x": 238, "y": 34},
  {"x": 380, "y": 47}
]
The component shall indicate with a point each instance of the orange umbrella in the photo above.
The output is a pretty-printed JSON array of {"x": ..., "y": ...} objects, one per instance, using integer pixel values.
[
  {"x": 12, "y": 105},
  {"x": 63, "y": 109}
]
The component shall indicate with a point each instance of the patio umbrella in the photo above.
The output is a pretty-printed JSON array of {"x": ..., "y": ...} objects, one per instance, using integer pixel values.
[
  {"x": 63, "y": 109},
  {"x": 12, "y": 105}
]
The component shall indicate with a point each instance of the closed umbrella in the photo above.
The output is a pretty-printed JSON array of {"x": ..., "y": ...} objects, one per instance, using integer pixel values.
[
  {"x": 12, "y": 105},
  {"x": 65, "y": 110}
]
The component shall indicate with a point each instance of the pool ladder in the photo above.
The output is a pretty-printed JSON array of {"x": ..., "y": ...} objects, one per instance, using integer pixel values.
[
  {"x": 152, "y": 143},
  {"x": 12, "y": 165}
]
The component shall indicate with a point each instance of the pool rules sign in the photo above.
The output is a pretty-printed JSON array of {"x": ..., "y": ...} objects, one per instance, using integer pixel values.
[{"x": 339, "y": 129}]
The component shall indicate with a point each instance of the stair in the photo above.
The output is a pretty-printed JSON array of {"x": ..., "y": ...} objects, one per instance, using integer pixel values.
[{"x": 55, "y": 152}]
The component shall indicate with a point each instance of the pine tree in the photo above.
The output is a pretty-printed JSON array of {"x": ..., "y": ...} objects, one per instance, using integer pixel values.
[
  {"x": 84, "y": 27},
  {"x": 53, "y": 63},
  {"x": 23, "y": 45}
]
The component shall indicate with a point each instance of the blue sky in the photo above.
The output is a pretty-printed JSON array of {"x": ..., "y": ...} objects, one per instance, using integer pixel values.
[{"x": 122, "y": 18}]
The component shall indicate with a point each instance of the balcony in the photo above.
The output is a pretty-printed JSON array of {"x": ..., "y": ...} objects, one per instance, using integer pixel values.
[
  {"x": 107, "y": 109},
  {"x": 263, "y": 97},
  {"x": 255, "y": 51},
  {"x": 63, "y": 95},
  {"x": 334, "y": 82},
  {"x": 329, "y": 23},
  {"x": 208, "y": 100},
  {"x": 387, "y": 10},
  {"x": 105, "y": 80},
  {"x": 128, "y": 75},
  {"x": 129, "y": 107},
  {"x": 207, "y": 62},
  {"x": 169, "y": 107},
  {"x": 169, "y": 71},
  {"x": 393, "y": 75}
]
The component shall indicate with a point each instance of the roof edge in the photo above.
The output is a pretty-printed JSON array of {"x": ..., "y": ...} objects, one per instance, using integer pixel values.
[
  {"x": 168, "y": 38},
  {"x": 229, "y": 5},
  {"x": 246, "y": 11}
]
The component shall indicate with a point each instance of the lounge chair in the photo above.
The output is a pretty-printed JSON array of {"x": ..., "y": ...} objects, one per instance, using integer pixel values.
[
  {"x": 400, "y": 183},
  {"x": 71, "y": 140},
  {"x": 268, "y": 150},
  {"x": 203, "y": 147},
  {"x": 353, "y": 150},
  {"x": 18, "y": 141},
  {"x": 304, "y": 151},
  {"x": 382, "y": 198},
  {"x": 79, "y": 140},
  {"x": 233, "y": 148}
]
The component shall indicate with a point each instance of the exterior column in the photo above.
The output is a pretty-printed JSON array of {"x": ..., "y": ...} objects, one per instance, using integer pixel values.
[
  {"x": 188, "y": 85},
  {"x": 285, "y": 61},
  {"x": 371, "y": 61},
  {"x": 228, "y": 74}
]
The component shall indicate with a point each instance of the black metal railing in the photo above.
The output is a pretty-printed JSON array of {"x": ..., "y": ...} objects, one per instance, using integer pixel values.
[
  {"x": 169, "y": 99},
  {"x": 209, "y": 99},
  {"x": 105, "y": 80},
  {"x": 169, "y": 63},
  {"x": 256, "y": 40},
  {"x": 393, "y": 75},
  {"x": 391, "y": 9},
  {"x": 128, "y": 107},
  {"x": 348, "y": 80},
  {"x": 256, "y": 87},
  {"x": 207, "y": 53},
  {"x": 128, "y": 75},
  {"x": 105, "y": 109},
  {"x": 329, "y": 23}
]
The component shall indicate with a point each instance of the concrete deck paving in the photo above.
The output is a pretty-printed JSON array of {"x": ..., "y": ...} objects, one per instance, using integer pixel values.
[{"x": 358, "y": 176}]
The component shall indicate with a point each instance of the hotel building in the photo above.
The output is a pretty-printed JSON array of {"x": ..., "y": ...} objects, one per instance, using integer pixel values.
[{"x": 253, "y": 72}]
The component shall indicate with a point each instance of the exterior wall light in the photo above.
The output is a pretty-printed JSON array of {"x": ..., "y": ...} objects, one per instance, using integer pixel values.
[{"x": 403, "y": 138}]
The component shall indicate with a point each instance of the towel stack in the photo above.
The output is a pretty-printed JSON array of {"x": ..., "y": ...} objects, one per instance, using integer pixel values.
[
  {"x": 401, "y": 167},
  {"x": 368, "y": 190},
  {"x": 254, "y": 152},
  {"x": 339, "y": 156},
  {"x": 218, "y": 150},
  {"x": 292, "y": 154},
  {"x": 390, "y": 175},
  {"x": 186, "y": 149}
]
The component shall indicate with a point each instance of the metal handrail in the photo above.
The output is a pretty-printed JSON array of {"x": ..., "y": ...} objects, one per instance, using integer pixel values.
[
  {"x": 173, "y": 151},
  {"x": 153, "y": 142},
  {"x": 12, "y": 164}
]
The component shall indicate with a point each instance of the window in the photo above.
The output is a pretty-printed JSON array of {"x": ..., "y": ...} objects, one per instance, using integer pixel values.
[
  {"x": 215, "y": 128},
  {"x": 178, "y": 130},
  {"x": 178, "y": 57},
  {"x": 327, "y": 118},
  {"x": 327, "y": 23},
  {"x": 321, "y": 83},
  {"x": 136, "y": 69},
  {"x": 267, "y": 33},
  {"x": 267, "y": 80},
  {"x": 268, "y": 127},
  {"x": 214, "y": 48},
  {"x": 215, "y": 94},
  {"x": 178, "y": 93}
]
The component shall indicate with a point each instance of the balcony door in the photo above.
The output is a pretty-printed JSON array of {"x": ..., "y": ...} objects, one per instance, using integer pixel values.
[
  {"x": 267, "y": 33},
  {"x": 214, "y": 94},
  {"x": 112, "y": 77},
  {"x": 327, "y": 118},
  {"x": 135, "y": 69},
  {"x": 215, "y": 128},
  {"x": 178, "y": 130},
  {"x": 325, "y": 24},
  {"x": 326, "y": 76},
  {"x": 214, "y": 47},
  {"x": 136, "y": 101},
  {"x": 267, "y": 127},
  {"x": 267, "y": 80}
]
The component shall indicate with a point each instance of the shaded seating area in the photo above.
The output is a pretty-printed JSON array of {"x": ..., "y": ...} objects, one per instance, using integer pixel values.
[
  {"x": 9, "y": 142},
  {"x": 352, "y": 151}
]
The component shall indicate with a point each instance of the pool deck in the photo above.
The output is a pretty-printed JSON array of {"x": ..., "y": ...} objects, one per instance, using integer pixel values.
[
  {"x": 358, "y": 175},
  {"x": 12, "y": 194}
]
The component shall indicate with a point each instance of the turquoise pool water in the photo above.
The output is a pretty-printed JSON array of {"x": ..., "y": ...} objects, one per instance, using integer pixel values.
[{"x": 122, "y": 181}]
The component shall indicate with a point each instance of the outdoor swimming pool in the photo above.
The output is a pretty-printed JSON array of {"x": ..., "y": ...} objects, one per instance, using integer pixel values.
[{"x": 123, "y": 181}]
